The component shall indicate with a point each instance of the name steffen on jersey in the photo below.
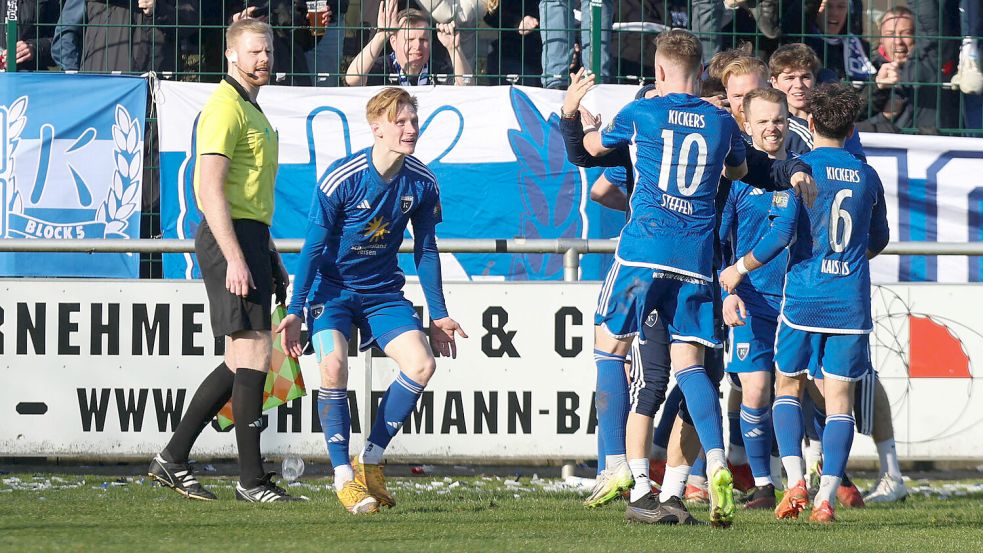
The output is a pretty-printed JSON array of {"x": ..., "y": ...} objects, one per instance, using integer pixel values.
[
  {"x": 677, "y": 204},
  {"x": 843, "y": 175},
  {"x": 686, "y": 119}
]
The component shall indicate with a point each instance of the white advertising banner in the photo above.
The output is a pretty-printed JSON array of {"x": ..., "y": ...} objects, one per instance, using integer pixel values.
[{"x": 106, "y": 368}]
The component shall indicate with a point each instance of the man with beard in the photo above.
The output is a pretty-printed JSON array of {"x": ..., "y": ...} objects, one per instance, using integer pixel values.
[{"x": 235, "y": 170}]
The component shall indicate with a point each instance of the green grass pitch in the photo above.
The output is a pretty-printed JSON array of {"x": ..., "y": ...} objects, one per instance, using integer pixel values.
[{"x": 86, "y": 513}]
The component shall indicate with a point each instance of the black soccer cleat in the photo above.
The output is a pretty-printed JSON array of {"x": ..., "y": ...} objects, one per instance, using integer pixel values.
[
  {"x": 761, "y": 497},
  {"x": 675, "y": 507},
  {"x": 648, "y": 510},
  {"x": 178, "y": 477},
  {"x": 265, "y": 492}
]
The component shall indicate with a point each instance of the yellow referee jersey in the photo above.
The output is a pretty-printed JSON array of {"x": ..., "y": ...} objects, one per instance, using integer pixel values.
[{"x": 232, "y": 126}]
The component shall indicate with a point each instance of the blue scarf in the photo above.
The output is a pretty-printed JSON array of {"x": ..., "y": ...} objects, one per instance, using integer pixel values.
[
  {"x": 422, "y": 79},
  {"x": 856, "y": 64}
]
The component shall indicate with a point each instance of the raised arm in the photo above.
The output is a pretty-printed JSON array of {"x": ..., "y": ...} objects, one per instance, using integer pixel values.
[{"x": 784, "y": 212}]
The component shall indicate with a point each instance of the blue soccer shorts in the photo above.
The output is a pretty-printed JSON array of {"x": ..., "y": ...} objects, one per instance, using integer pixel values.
[
  {"x": 752, "y": 346},
  {"x": 379, "y": 317},
  {"x": 821, "y": 354},
  {"x": 630, "y": 294}
]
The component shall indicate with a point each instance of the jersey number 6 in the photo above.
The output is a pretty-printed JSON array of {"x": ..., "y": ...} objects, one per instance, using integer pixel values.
[{"x": 836, "y": 215}]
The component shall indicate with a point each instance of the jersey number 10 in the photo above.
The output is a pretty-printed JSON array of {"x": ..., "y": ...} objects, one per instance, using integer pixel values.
[{"x": 685, "y": 188}]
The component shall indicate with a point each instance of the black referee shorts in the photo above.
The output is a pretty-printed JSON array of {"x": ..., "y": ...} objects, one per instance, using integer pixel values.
[{"x": 229, "y": 312}]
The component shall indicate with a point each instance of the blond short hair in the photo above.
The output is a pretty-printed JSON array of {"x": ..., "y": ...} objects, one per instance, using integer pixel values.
[
  {"x": 744, "y": 65},
  {"x": 681, "y": 47},
  {"x": 387, "y": 103},
  {"x": 247, "y": 25}
]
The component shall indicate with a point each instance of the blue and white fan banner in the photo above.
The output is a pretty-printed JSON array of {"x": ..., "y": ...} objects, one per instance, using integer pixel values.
[
  {"x": 503, "y": 173},
  {"x": 71, "y": 167}
]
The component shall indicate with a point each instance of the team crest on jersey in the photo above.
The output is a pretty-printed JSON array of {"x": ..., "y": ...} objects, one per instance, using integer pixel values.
[
  {"x": 742, "y": 350},
  {"x": 780, "y": 199},
  {"x": 405, "y": 203}
]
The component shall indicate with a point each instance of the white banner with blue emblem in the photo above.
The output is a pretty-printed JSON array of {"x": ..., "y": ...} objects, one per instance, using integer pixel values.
[
  {"x": 503, "y": 172},
  {"x": 71, "y": 167}
]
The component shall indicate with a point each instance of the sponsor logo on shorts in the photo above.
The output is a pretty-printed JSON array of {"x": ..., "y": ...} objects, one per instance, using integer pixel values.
[
  {"x": 652, "y": 319},
  {"x": 316, "y": 310}
]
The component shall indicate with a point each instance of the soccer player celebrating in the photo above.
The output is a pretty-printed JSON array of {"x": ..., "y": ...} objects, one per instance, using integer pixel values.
[
  {"x": 752, "y": 308},
  {"x": 665, "y": 254},
  {"x": 348, "y": 275},
  {"x": 825, "y": 316},
  {"x": 793, "y": 70}
]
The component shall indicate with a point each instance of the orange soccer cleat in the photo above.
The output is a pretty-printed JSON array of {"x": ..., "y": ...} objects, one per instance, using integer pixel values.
[
  {"x": 793, "y": 502},
  {"x": 823, "y": 514}
]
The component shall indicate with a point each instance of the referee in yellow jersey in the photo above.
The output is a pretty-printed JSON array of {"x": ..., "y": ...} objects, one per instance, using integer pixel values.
[{"x": 235, "y": 170}]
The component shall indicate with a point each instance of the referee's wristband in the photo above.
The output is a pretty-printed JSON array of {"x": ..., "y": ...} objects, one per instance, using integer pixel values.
[{"x": 741, "y": 267}]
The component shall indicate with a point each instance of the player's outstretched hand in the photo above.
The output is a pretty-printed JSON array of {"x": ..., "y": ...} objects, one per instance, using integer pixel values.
[
  {"x": 238, "y": 279},
  {"x": 805, "y": 187},
  {"x": 442, "y": 336},
  {"x": 289, "y": 329},
  {"x": 734, "y": 311},
  {"x": 580, "y": 84},
  {"x": 730, "y": 278}
]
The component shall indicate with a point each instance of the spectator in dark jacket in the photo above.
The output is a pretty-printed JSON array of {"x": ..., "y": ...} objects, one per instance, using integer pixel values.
[
  {"x": 518, "y": 48},
  {"x": 134, "y": 36},
  {"x": 292, "y": 36},
  {"x": 35, "y": 27}
]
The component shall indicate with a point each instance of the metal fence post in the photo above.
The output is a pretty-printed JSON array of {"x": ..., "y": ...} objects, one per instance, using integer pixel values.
[
  {"x": 595, "y": 39},
  {"x": 571, "y": 265},
  {"x": 367, "y": 403}
]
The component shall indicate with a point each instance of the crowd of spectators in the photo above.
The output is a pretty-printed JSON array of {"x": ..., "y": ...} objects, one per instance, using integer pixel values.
[{"x": 915, "y": 72}]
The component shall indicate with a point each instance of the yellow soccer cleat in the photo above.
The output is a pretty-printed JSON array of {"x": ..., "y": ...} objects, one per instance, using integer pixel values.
[
  {"x": 372, "y": 478},
  {"x": 356, "y": 499},
  {"x": 722, "y": 507},
  {"x": 610, "y": 484}
]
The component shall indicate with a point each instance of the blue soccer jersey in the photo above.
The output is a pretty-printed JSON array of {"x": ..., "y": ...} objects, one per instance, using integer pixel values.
[
  {"x": 744, "y": 221},
  {"x": 356, "y": 226},
  {"x": 680, "y": 144},
  {"x": 827, "y": 288}
]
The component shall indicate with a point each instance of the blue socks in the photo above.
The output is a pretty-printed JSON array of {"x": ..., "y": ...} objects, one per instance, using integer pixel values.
[
  {"x": 612, "y": 401},
  {"x": 837, "y": 441},
  {"x": 787, "y": 414},
  {"x": 699, "y": 469},
  {"x": 755, "y": 426},
  {"x": 397, "y": 404},
  {"x": 703, "y": 405},
  {"x": 336, "y": 423}
]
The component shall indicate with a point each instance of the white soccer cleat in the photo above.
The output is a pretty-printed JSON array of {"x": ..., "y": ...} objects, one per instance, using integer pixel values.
[{"x": 888, "y": 490}]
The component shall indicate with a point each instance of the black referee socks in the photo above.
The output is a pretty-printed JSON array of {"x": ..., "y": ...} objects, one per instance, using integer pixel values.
[{"x": 247, "y": 408}]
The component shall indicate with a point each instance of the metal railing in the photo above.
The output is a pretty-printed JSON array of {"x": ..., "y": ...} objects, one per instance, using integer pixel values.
[{"x": 570, "y": 248}]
